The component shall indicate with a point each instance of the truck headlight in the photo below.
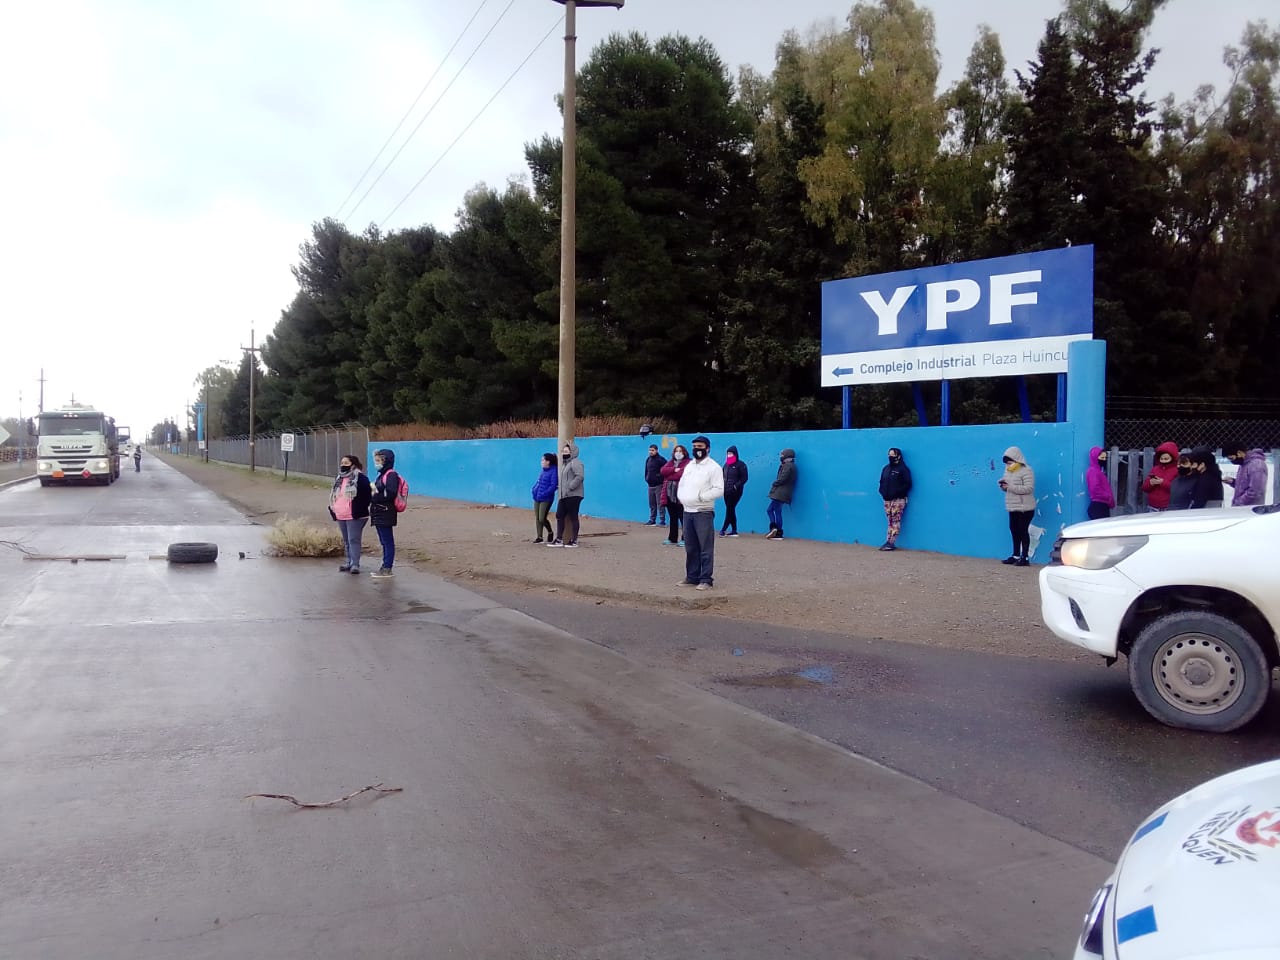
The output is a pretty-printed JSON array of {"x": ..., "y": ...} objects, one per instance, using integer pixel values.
[
  {"x": 1099, "y": 553},
  {"x": 102, "y": 465},
  {"x": 45, "y": 465}
]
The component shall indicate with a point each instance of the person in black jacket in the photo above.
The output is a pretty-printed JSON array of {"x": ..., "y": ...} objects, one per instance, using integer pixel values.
[
  {"x": 653, "y": 477},
  {"x": 349, "y": 506},
  {"x": 1183, "y": 487},
  {"x": 895, "y": 484},
  {"x": 781, "y": 491},
  {"x": 735, "y": 479},
  {"x": 1208, "y": 489},
  {"x": 382, "y": 509}
]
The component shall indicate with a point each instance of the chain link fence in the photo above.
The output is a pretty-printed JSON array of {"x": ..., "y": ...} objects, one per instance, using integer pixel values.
[
  {"x": 316, "y": 449},
  {"x": 1190, "y": 433}
]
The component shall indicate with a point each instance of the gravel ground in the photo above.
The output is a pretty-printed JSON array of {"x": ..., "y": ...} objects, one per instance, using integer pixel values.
[{"x": 914, "y": 597}]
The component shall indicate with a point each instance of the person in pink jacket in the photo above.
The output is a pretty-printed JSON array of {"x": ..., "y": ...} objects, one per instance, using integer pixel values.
[{"x": 1101, "y": 496}]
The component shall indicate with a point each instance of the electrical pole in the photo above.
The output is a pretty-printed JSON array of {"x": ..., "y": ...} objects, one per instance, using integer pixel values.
[
  {"x": 41, "y": 407},
  {"x": 253, "y": 375}
]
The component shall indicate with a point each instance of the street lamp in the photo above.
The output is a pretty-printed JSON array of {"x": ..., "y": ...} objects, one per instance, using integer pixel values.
[{"x": 568, "y": 220}]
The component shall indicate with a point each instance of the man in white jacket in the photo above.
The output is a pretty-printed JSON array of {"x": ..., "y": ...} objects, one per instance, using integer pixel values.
[{"x": 701, "y": 485}]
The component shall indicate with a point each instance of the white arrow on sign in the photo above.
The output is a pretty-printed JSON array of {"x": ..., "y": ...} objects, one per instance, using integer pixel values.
[{"x": 4, "y": 435}]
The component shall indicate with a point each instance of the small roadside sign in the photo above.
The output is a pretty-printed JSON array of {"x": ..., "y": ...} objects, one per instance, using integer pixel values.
[
  {"x": 286, "y": 442},
  {"x": 4, "y": 435},
  {"x": 200, "y": 445}
]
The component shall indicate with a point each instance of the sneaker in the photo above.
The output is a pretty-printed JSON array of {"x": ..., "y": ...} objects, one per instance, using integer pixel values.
[
  {"x": 382, "y": 573},
  {"x": 734, "y": 534},
  {"x": 887, "y": 546},
  {"x": 555, "y": 543},
  {"x": 686, "y": 583},
  {"x": 537, "y": 539},
  {"x": 778, "y": 535},
  {"x": 773, "y": 534},
  {"x": 344, "y": 568},
  {"x": 356, "y": 571},
  {"x": 569, "y": 545},
  {"x": 682, "y": 543},
  {"x": 668, "y": 543},
  {"x": 651, "y": 523},
  {"x": 1010, "y": 561},
  {"x": 703, "y": 586},
  {"x": 723, "y": 534},
  {"x": 1022, "y": 562}
]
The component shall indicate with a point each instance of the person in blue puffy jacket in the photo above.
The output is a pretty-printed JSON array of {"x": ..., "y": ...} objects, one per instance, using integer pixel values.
[{"x": 544, "y": 493}]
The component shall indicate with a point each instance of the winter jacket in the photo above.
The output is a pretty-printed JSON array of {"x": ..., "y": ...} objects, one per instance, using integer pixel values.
[
  {"x": 735, "y": 478},
  {"x": 360, "y": 502},
  {"x": 573, "y": 475},
  {"x": 671, "y": 471},
  {"x": 1158, "y": 493},
  {"x": 1251, "y": 480},
  {"x": 1020, "y": 484},
  {"x": 1208, "y": 488},
  {"x": 1182, "y": 490},
  {"x": 382, "y": 502},
  {"x": 653, "y": 469},
  {"x": 701, "y": 485},
  {"x": 1099, "y": 486},
  {"x": 895, "y": 481},
  {"x": 544, "y": 488},
  {"x": 784, "y": 484}
]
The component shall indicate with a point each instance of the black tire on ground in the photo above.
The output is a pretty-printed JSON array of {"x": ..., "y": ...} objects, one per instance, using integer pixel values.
[
  {"x": 192, "y": 552},
  {"x": 1199, "y": 671},
  {"x": 45, "y": 481}
]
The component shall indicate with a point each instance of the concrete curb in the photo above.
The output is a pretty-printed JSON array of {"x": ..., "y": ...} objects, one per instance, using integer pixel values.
[{"x": 14, "y": 483}]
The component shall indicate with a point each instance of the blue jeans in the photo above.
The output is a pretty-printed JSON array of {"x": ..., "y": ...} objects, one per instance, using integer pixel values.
[
  {"x": 352, "y": 531},
  {"x": 775, "y": 515},
  {"x": 699, "y": 546},
  {"x": 387, "y": 537}
]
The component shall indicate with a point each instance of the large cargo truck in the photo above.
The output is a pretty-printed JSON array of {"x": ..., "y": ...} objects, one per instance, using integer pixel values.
[{"x": 77, "y": 444}]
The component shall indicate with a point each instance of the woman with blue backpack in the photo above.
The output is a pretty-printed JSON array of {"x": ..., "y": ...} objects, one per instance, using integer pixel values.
[{"x": 385, "y": 503}]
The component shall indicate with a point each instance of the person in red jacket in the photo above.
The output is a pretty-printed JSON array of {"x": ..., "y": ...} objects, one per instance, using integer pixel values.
[{"x": 1159, "y": 482}]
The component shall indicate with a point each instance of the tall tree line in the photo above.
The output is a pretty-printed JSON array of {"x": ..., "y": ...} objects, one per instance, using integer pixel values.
[{"x": 711, "y": 208}]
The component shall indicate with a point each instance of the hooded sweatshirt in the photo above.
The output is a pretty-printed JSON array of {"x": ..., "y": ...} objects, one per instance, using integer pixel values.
[
  {"x": 784, "y": 484},
  {"x": 572, "y": 475},
  {"x": 735, "y": 473},
  {"x": 1020, "y": 483},
  {"x": 1208, "y": 488},
  {"x": 1158, "y": 493},
  {"x": 1251, "y": 480},
  {"x": 1096, "y": 480},
  {"x": 1183, "y": 488},
  {"x": 382, "y": 502},
  {"x": 895, "y": 480}
]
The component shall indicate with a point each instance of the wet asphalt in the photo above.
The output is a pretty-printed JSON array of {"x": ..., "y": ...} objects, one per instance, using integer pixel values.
[{"x": 556, "y": 799}]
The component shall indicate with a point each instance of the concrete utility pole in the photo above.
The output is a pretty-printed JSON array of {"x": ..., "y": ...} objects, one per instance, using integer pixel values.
[
  {"x": 568, "y": 222},
  {"x": 253, "y": 375}
]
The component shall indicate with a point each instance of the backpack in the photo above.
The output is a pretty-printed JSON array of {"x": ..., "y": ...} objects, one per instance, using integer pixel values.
[{"x": 402, "y": 494}]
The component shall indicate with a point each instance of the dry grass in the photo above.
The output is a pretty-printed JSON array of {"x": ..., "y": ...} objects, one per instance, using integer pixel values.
[
  {"x": 291, "y": 537},
  {"x": 513, "y": 429}
]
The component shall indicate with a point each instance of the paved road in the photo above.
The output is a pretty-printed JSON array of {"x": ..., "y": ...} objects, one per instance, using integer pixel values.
[
  {"x": 1061, "y": 747},
  {"x": 558, "y": 800}
]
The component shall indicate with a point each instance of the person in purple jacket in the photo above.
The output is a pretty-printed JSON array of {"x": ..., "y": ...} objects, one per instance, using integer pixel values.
[
  {"x": 1101, "y": 496},
  {"x": 1250, "y": 481},
  {"x": 544, "y": 493}
]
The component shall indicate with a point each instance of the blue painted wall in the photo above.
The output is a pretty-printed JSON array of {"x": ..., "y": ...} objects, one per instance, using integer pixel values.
[{"x": 955, "y": 506}]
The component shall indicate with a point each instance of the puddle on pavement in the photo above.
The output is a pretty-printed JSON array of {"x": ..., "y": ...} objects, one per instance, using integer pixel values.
[
  {"x": 809, "y": 677},
  {"x": 417, "y": 606},
  {"x": 795, "y": 844}
]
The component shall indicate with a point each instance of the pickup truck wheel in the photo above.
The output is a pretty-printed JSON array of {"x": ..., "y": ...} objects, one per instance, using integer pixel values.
[
  {"x": 1200, "y": 671},
  {"x": 44, "y": 481},
  {"x": 192, "y": 552}
]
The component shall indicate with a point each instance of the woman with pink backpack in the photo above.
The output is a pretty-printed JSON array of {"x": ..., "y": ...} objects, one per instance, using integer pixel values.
[{"x": 386, "y": 502}]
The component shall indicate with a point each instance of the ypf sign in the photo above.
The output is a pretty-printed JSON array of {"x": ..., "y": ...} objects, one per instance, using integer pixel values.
[{"x": 984, "y": 318}]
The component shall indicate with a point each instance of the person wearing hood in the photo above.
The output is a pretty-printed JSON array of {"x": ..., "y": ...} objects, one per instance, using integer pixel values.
[
  {"x": 382, "y": 509},
  {"x": 544, "y": 492},
  {"x": 1183, "y": 487},
  {"x": 349, "y": 506},
  {"x": 572, "y": 482},
  {"x": 1208, "y": 489},
  {"x": 895, "y": 484},
  {"x": 1019, "y": 485},
  {"x": 1101, "y": 497},
  {"x": 735, "y": 480},
  {"x": 653, "y": 464},
  {"x": 701, "y": 485},
  {"x": 781, "y": 491},
  {"x": 671, "y": 473},
  {"x": 1158, "y": 484},
  {"x": 1250, "y": 481}
]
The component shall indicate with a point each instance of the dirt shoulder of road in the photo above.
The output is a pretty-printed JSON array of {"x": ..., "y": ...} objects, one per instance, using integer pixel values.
[{"x": 843, "y": 589}]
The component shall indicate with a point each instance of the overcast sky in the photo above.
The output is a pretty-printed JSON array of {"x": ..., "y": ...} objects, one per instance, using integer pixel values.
[{"x": 160, "y": 163}]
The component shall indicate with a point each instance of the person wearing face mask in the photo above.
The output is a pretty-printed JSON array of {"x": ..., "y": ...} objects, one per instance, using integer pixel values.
[
  {"x": 382, "y": 509},
  {"x": 349, "y": 506},
  {"x": 895, "y": 484},
  {"x": 781, "y": 491},
  {"x": 572, "y": 489},
  {"x": 671, "y": 472},
  {"x": 544, "y": 491},
  {"x": 1208, "y": 488},
  {"x": 1250, "y": 481},
  {"x": 1101, "y": 497},
  {"x": 1158, "y": 484},
  {"x": 1183, "y": 487},
  {"x": 735, "y": 481},
  {"x": 653, "y": 480},
  {"x": 700, "y": 486},
  {"x": 1019, "y": 485}
]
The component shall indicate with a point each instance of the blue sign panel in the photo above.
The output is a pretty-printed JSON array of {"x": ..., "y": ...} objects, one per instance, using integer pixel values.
[{"x": 1000, "y": 317}]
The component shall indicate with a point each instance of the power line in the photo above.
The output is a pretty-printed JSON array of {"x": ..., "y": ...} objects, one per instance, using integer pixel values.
[
  {"x": 425, "y": 86},
  {"x": 430, "y": 109},
  {"x": 472, "y": 121}
]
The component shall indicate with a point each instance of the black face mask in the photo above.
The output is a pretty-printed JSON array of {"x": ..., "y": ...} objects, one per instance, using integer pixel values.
[
  {"x": 699, "y": 454},
  {"x": 565, "y": 457},
  {"x": 894, "y": 459},
  {"x": 1184, "y": 471}
]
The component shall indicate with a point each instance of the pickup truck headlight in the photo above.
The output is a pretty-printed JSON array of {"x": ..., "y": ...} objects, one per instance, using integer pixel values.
[{"x": 1099, "y": 553}]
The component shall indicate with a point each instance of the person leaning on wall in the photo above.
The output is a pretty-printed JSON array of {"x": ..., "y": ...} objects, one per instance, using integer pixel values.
[
  {"x": 895, "y": 484},
  {"x": 1019, "y": 485}
]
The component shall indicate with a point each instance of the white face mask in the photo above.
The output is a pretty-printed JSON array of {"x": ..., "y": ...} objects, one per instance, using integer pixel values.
[{"x": 677, "y": 455}]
